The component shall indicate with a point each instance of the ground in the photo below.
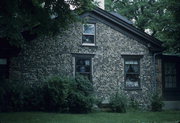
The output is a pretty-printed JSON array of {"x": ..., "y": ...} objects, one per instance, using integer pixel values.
[{"x": 99, "y": 117}]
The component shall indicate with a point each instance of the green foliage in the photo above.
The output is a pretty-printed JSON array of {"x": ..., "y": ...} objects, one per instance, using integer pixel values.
[
  {"x": 11, "y": 93},
  {"x": 32, "y": 98},
  {"x": 160, "y": 16},
  {"x": 118, "y": 103},
  {"x": 37, "y": 16},
  {"x": 57, "y": 94},
  {"x": 156, "y": 102},
  {"x": 133, "y": 104},
  {"x": 80, "y": 97}
]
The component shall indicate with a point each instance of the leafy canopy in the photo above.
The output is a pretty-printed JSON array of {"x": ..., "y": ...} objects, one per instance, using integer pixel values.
[
  {"x": 160, "y": 17},
  {"x": 37, "y": 16}
]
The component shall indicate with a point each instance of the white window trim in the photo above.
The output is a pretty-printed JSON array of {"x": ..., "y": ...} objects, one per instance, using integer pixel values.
[
  {"x": 94, "y": 34},
  {"x": 88, "y": 44}
]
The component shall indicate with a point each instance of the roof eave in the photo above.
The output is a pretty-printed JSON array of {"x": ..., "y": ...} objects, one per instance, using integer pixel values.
[{"x": 131, "y": 28}]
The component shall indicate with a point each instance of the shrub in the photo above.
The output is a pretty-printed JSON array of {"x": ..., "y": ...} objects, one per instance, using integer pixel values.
[
  {"x": 11, "y": 95},
  {"x": 55, "y": 92},
  {"x": 156, "y": 102},
  {"x": 118, "y": 103},
  {"x": 80, "y": 97},
  {"x": 33, "y": 98},
  {"x": 133, "y": 104}
]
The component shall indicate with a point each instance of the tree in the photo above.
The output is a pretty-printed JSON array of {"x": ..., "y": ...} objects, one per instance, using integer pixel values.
[
  {"x": 37, "y": 17},
  {"x": 174, "y": 29},
  {"x": 155, "y": 15}
]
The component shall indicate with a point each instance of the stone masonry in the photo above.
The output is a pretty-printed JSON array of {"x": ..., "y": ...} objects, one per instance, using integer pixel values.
[{"x": 47, "y": 56}]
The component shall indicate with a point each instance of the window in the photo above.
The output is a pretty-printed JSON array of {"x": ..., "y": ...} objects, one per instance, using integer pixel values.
[
  {"x": 83, "y": 66},
  {"x": 170, "y": 75},
  {"x": 3, "y": 68},
  {"x": 88, "y": 37},
  {"x": 132, "y": 72}
]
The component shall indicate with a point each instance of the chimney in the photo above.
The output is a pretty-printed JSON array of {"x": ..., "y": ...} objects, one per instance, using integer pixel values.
[{"x": 100, "y": 3}]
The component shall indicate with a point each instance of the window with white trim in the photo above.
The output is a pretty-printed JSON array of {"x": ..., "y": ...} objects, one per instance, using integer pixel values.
[
  {"x": 88, "y": 37},
  {"x": 132, "y": 72}
]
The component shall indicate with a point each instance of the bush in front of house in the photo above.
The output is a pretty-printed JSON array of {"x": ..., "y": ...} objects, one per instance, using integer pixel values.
[
  {"x": 11, "y": 95},
  {"x": 57, "y": 94},
  {"x": 80, "y": 97},
  {"x": 33, "y": 98},
  {"x": 118, "y": 103},
  {"x": 16, "y": 96},
  {"x": 156, "y": 102},
  {"x": 133, "y": 104}
]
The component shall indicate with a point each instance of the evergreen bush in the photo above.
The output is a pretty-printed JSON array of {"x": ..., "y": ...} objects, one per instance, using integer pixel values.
[
  {"x": 57, "y": 94},
  {"x": 156, "y": 102},
  {"x": 80, "y": 97},
  {"x": 118, "y": 103},
  {"x": 133, "y": 104},
  {"x": 11, "y": 93}
]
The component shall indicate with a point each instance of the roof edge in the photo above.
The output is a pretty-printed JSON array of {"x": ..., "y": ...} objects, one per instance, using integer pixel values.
[{"x": 128, "y": 26}]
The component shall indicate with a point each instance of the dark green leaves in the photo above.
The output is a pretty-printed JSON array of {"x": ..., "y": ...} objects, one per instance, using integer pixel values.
[
  {"x": 159, "y": 16},
  {"x": 37, "y": 16}
]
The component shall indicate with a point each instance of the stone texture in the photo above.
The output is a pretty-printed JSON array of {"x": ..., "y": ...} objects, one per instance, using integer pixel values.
[{"x": 47, "y": 56}]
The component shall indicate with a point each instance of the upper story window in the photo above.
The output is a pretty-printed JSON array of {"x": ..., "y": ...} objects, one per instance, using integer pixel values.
[
  {"x": 88, "y": 37},
  {"x": 132, "y": 72},
  {"x": 3, "y": 68}
]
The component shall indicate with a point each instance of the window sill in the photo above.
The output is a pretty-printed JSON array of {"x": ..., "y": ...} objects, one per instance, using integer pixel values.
[
  {"x": 88, "y": 45},
  {"x": 133, "y": 89}
]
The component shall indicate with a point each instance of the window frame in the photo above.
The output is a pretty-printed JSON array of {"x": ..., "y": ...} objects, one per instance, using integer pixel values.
[
  {"x": 83, "y": 56},
  {"x": 170, "y": 74},
  {"x": 132, "y": 58},
  {"x": 86, "y": 34}
]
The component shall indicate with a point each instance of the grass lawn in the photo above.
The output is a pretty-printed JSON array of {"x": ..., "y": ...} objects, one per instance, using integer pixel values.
[{"x": 100, "y": 117}]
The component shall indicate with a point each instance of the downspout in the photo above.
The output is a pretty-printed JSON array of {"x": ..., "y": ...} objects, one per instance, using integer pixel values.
[{"x": 154, "y": 84}]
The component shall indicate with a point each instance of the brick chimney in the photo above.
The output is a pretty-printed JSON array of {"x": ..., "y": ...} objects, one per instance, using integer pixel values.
[{"x": 100, "y": 4}]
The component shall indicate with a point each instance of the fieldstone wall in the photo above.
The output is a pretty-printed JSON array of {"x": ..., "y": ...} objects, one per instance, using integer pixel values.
[{"x": 47, "y": 56}]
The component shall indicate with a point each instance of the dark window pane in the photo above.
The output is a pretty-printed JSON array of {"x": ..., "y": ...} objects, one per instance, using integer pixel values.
[
  {"x": 80, "y": 62},
  {"x": 170, "y": 75},
  {"x": 3, "y": 71},
  {"x": 88, "y": 39},
  {"x": 132, "y": 80},
  {"x": 83, "y": 67}
]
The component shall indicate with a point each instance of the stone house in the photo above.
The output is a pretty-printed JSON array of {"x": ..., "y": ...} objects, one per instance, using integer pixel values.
[{"x": 106, "y": 48}]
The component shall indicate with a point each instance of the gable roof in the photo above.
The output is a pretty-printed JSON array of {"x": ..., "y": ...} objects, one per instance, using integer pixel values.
[{"x": 124, "y": 26}]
